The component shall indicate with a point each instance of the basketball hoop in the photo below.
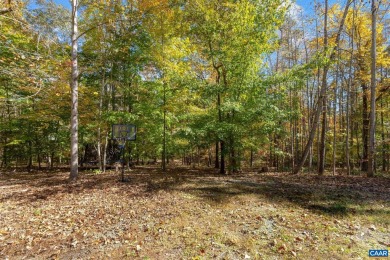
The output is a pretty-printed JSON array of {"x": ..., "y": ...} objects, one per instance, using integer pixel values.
[{"x": 121, "y": 134}]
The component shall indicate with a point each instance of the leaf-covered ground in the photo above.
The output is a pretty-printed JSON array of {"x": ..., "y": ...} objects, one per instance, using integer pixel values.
[{"x": 192, "y": 214}]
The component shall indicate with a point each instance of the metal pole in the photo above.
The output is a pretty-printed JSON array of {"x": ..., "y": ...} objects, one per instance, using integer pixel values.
[{"x": 123, "y": 161}]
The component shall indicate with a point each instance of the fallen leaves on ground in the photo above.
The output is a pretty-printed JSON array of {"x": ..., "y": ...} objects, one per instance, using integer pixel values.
[{"x": 192, "y": 214}]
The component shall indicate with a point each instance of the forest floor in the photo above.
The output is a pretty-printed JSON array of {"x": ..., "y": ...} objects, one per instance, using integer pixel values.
[{"x": 192, "y": 214}]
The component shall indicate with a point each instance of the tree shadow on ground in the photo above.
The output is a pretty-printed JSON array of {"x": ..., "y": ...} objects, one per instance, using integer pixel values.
[
  {"x": 333, "y": 195},
  {"x": 27, "y": 187}
]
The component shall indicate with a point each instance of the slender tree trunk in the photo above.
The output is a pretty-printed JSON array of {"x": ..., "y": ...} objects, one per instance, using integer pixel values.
[
  {"x": 334, "y": 121},
  {"x": 348, "y": 126},
  {"x": 371, "y": 147},
  {"x": 99, "y": 141},
  {"x": 292, "y": 132},
  {"x": 232, "y": 154},
  {"x": 321, "y": 166},
  {"x": 322, "y": 94},
  {"x": 52, "y": 160},
  {"x": 388, "y": 153},
  {"x": 349, "y": 85},
  {"x": 216, "y": 155},
  {"x": 354, "y": 129},
  {"x": 306, "y": 127},
  {"x": 30, "y": 161},
  {"x": 365, "y": 130},
  {"x": 251, "y": 159},
  {"x": 383, "y": 140},
  {"x": 105, "y": 154},
  {"x": 4, "y": 162},
  {"x": 222, "y": 168},
  {"x": 234, "y": 164},
  {"x": 209, "y": 159},
  {"x": 29, "y": 165},
  {"x": 221, "y": 142},
  {"x": 99, "y": 133},
  {"x": 164, "y": 151},
  {"x": 74, "y": 86},
  {"x": 322, "y": 152},
  {"x": 39, "y": 160}
]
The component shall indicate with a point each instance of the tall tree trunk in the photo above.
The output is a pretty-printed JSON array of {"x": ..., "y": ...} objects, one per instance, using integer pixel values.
[
  {"x": 216, "y": 165},
  {"x": 322, "y": 94},
  {"x": 39, "y": 160},
  {"x": 221, "y": 142},
  {"x": 383, "y": 140},
  {"x": 29, "y": 166},
  {"x": 349, "y": 85},
  {"x": 209, "y": 159},
  {"x": 387, "y": 145},
  {"x": 234, "y": 167},
  {"x": 105, "y": 153},
  {"x": 348, "y": 126},
  {"x": 222, "y": 168},
  {"x": 322, "y": 152},
  {"x": 292, "y": 131},
  {"x": 99, "y": 133},
  {"x": 371, "y": 147},
  {"x": 30, "y": 161},
  {"x": 335, "y": 120},
  {"x": 321, "y": 166},
  {"x": 251, "y": 159},
  {"x": 164, "y": 151},
  {"x": 308, "y": 99},
  {"x": 74, "y": 86},
  {"x": 365, "y": 130},
  {"x": 52, "y": 160}
]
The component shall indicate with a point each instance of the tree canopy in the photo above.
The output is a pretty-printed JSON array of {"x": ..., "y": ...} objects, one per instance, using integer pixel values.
[{"x": 227, "y": 84}]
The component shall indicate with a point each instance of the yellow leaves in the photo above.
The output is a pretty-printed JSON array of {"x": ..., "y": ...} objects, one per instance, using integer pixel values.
[
  {"x": 358, "y": 23},
  {"x": 152, "y": 6},
  {"x": 178, "y": 48},
  {"x": 358, "y": 26},
  {"x": 174, "y": 57}
]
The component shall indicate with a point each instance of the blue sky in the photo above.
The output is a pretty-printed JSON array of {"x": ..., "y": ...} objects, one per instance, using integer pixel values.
[
  {"x": 308, "y": 6},
  {"x": 65, "y": 3}
]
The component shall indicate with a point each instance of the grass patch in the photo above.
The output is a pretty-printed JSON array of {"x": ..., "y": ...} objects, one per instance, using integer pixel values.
[{"x": 332, "y": 209}]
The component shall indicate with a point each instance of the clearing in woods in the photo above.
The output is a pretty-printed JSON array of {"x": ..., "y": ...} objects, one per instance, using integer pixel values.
[{"x": 192, "y": 214}]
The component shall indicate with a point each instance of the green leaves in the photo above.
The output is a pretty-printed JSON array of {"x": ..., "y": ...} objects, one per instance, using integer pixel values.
[{"x": 150, "y": 63}]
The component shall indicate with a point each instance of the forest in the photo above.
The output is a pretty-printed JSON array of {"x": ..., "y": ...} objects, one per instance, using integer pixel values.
[
  {"x": 220, "y": 83},
  {"x": 262, "y": 129}
]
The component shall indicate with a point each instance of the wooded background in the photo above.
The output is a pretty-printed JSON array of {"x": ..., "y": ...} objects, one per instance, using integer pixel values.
[{"x": 227, "y": 84}]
